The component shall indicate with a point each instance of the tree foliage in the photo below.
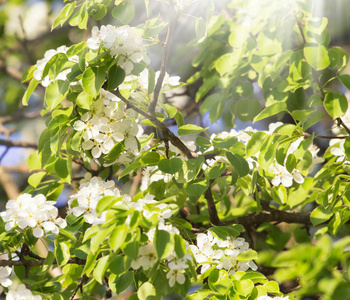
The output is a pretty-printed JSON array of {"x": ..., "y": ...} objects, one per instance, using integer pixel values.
[{"x": 162, "y": 207}]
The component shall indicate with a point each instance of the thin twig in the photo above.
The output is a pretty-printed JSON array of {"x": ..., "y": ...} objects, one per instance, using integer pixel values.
[
  {"x": 159, "y": 84},
  {"x": 78, "y": 287}
]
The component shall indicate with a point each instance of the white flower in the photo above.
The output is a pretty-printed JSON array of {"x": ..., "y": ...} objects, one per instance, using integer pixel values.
[
  {"x": 146, "y": 257},
  {"x": 5, "y": 281},
  {"x": 21, "y": 293},
  {"x": 337, "y": 149},
  {"x": 176, "y": 276},
  {"x": 281, "y": 176},
  {"x": 34, "y": 212}
]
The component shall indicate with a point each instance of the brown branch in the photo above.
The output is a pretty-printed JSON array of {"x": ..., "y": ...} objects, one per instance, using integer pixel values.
[
  {"x": 78, "y": 287},
  {"x": 166, "y": 132},
  {"x": 19, "y": 144},
  {"x": 159, "y": 84},
  {"x": 328, "y": 137},
  {"x": 213, "y": 214},
  {"x": 272, "y": 216}
]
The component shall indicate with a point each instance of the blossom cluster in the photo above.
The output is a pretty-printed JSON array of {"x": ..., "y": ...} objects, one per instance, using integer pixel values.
[
  {"x": 108, "y": 123},
  {"x": 5, "y": 281},
  {"x": 147, "y": 257},
  {"x": 33, "y": 212},
  {"x": 222, "y": 254},
  {"x": 84, "y": 202},
  {"x": 41, "y": 63},
  {"x": 280, "y": 172},
  {"x": 123, "y": 42},
  {"x": 21, "y": 293}
]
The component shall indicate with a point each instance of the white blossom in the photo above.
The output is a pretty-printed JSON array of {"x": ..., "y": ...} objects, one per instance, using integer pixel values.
[
  {"x": 5, "y": 281},
  {"x": 33, "y": 212},
  {"x": 123, "y": 42},
  {"x": 21, "y": 293}
]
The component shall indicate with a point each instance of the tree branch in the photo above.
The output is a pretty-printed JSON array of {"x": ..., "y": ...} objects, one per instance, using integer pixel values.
[
  {"x": 166, "y": 132},
  {"x": 19, "y": 144},
  {"x": 213, "y": 214},
  {"x": 159, "y": 84},
  {"x": 272, "y": 216}
]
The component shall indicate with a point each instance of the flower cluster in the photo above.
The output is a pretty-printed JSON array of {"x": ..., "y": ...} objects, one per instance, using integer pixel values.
[
  {"x": 147, "y": 257},
  {"x": 33, "y": 212},
  {"x": 274, "y": 298},
  {"x": 40, "y": 66},
  {"x": 21, "y": 293},
  {"x": 123, "y": 42},
  {"x": 280, "y": 172},
  {"x": 108, "y": 123},
  {"x": 213, "y": 251},
  {"x": 84, "y": 202},
  {"x": 5, "y": 281}
]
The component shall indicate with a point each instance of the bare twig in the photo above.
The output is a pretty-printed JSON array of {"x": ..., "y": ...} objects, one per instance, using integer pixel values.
[
  {"x": 19, "y": 144},
  {"x": 159, "y": 84}
]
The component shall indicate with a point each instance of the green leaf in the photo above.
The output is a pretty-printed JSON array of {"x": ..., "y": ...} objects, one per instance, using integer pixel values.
[
  {"x": 227, "y": 63},
  {"x": 201, "y": 29},
  {"x": 239, "y": 163},
  {"x": 92, "y": 80},
  {"x": 117, "y": 237},
  {"x": 61, "y": 252},
  {"x": 116, "y": 265},
  {"x": 100, "y": 269},
  {"x": 64, "y": 14},
  {"x": 116, "y": 76},
  {"x": 190, "y": 129},
  {"x": 148, "y": 292},
  {"x": 119, "y": 284},
  {"x": 336, "y": 104},
  {"x": 247, "y": 255},
  {"x": 163, "y": 243},
  {"x": 84, "y": 100},
  {"x": 47, "y": 264},
  {"x": 31, "y": 87},
  {"x": 180, "y": 246},
  {"x": 35, "y": 179},
  {"x": 63, "y": 170},
  {"x": 124, "y": 12},
  {"x": 55, "y": 93},
  {"x": 97, "y": 11},
  {"x": 255, "y": 142},
  {"x": 223, "y": 232},
  {"x": 197, "y": 187},
  {"x": 28, "y": 74},
  {"x": 272, "y": 287},
  {"x": 105, "y": 203},
  {"x": 170, "y": 166},
  {"x": 247, "y": 109},
  {"x": 320, "y": 215},
  {"x": 317, "y": 56},
  {"x": 170, "y": 110},
  {"x": 345, "y": 79},
  {"x": 76, "y": 49},
  {"x": 271, "y": 111},
  {"x": 244, "y": 287},
  {"x": 34, "y": 161}
]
